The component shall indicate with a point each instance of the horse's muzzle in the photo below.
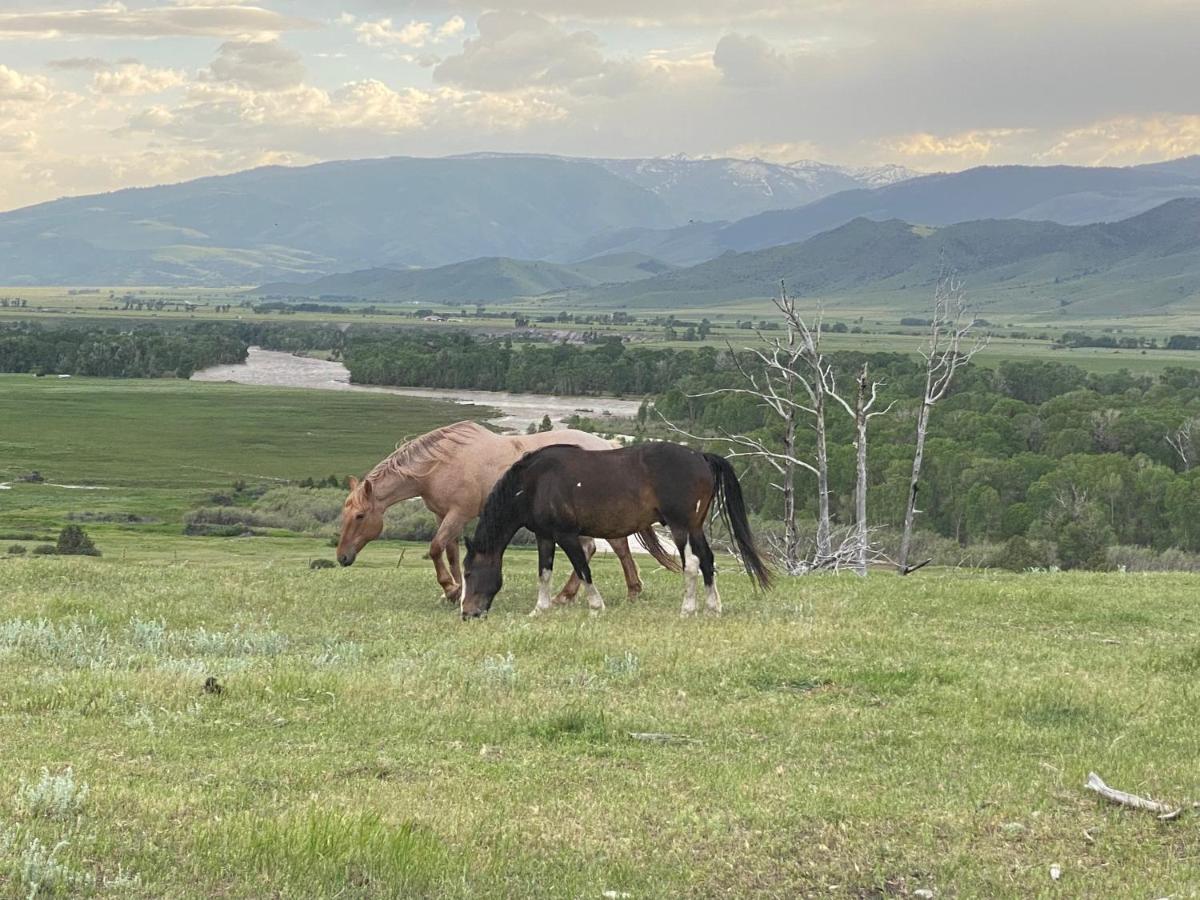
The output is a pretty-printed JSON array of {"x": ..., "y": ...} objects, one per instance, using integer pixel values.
[{"x": 346, "y": 559}]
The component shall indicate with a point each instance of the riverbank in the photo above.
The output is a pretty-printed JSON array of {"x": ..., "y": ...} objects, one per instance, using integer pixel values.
[{"x": 272, "y": 368}]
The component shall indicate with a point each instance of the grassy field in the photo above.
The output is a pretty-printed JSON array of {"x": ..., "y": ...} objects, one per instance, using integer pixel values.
[
  {"x": 835, "y": 738},
  {"x": 156, "y": 448}
]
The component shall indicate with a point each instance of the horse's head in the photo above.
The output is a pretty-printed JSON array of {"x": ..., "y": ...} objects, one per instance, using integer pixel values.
[
  {"x": 482, "y": 580},
  {"x": 362, "y": 520}
]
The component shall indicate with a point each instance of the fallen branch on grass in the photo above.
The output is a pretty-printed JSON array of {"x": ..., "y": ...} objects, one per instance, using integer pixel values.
[
  {"x": 1165, "y": 812},
  {"x": 656, "y": 737}
]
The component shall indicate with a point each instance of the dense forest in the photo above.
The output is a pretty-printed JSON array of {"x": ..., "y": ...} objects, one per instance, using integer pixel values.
[
  {"x": 1052, "y": 464},
  {"x": 149, "y": 350},
  {"x": 115, "y": 354},
  {"x": 461, "y": 361}
]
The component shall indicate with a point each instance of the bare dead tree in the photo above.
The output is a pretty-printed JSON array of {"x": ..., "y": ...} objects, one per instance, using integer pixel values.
[
  {"x": 944, "y": 354},
  {"x": 1181, "y": 441},
  {"x": 863, "y": 411},
  {"x": 793, "y": 379}
]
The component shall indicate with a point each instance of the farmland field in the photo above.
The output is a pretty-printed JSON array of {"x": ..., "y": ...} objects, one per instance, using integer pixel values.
[{"x": 835, "y": 737}]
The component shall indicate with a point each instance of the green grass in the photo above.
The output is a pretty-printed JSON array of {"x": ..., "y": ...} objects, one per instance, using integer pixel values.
[
  {"x": 156, "y": 448},
  {"x": 834, "y": 738}
]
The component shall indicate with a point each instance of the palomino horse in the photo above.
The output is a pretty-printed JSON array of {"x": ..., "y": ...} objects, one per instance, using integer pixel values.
[
  {"x": 452, "y": 469},
  {"x": 560, "y": 493}
]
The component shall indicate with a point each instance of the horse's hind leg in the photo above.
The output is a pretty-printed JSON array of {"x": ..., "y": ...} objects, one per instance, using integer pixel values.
[
  {"x": 704, "y": 555},
  {"x": 545, "y": 573},
  {"x": 570, "y": 590},
  {"x": 691, "y": 569},
  {"x": 633, "y": 580},
  {"x": 579, "y": 559}
]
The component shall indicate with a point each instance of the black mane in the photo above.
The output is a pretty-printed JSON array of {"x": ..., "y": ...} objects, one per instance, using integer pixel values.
[{"x": 499, "y": 508}]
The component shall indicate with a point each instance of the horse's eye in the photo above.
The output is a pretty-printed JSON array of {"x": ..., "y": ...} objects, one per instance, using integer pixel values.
[{"x": 360, "y": 516}]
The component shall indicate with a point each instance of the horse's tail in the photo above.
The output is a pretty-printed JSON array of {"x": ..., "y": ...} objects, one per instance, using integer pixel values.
[
  {"x": 732, "y": 508},
  {"x": 649, "y": 539}
]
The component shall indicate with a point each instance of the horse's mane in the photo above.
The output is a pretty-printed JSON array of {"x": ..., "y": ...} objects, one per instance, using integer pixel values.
[
  {"x": 491, "y": 527},
  {"x": 427, "y": 450}
]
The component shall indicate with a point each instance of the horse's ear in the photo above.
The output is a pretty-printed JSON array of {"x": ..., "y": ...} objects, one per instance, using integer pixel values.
[
  {"x": 353, "y": 482},
  {"x": 366, "y": 486}
]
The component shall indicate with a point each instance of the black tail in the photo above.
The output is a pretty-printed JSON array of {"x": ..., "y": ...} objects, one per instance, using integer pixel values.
[
  {"x": 649, "y": 540},
  {"x": 732, "y": 508}
]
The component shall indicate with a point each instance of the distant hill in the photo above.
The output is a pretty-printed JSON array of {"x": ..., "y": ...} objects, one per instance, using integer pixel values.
[
  {"x": 1069, "y": 195},
  {"x": 293, "y": 224},
  {"x": 487, "y": 280},
  {"x": 285, "y": 223},
  {"x": 1149, "y": 261},
  {"x": 273, "y": 223}
]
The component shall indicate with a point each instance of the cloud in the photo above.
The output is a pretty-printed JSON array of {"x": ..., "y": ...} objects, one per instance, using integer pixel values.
[
  {"x": 227, "y": 19},
  {"x": 749, "y": 61},
  {"x": 1127, "y": 140},
  {"x": 416, "y": 34},
  {"x": 517, "y": 50},
  {"x": 133, "y": 79},
  {"x": 17, "y": 142},
  {"x": 966, "y": 147},
  {"x": 383, "y": 33},
  {"x": 79, "y": 63},
  {"x": 18, "y": 88},
  {"x": 258, "y": 64}
]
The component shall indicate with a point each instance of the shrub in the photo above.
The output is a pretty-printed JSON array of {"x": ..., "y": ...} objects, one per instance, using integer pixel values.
[
  {"x": 1020, "y": 554},
  {"x": 52, "y": 796},
  {"x": 16, "y": 550},
  {"x": 45, "y": 550},
  {"x": 74, "y": 541},
  {"x": 1145, "y": 559}
]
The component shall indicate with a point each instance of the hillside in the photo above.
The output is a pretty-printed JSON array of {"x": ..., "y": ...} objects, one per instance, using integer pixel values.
[
  {"x": 1149, "y": 261},
  {"x": 286, "y": 223},
  {"x": 1068, "y": 195},
  {"x": 273, "y": 223},
  {"x": 486, "y": 280}
]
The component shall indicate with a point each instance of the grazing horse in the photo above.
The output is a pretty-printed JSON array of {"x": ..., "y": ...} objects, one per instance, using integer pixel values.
[
  {"x": 560, "y": 493},
  {"x": 452, "y": 469}
]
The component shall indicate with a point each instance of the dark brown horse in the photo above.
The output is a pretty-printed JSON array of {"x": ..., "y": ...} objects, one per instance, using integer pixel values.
[{"x": 560, "y": 493}]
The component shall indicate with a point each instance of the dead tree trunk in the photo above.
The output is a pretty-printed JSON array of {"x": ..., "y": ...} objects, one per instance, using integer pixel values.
[
  {"x": 824, "y": 528},
  {"x": 944, "y": 355},
  {"x": 862, "y": 412}
]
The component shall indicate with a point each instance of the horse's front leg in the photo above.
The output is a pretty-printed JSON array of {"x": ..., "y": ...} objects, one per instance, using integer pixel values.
[
  {"x": 545, "y": 547},
  {"x": 447, "y": 534},
  {"x": 570, "y": 590},
  {"x": 573, "y": 547}
]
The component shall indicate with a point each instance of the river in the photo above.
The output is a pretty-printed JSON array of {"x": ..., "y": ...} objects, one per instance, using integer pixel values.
[{"x": 517, "y": 411}]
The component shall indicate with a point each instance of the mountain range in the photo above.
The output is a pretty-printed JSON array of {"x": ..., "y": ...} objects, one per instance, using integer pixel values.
[
  {"x": 1142, "y": 264},
  {"x": 282, "y": 224},
  {"x": 1148, "y": 263},
  {"x": 485, "y": 280}
]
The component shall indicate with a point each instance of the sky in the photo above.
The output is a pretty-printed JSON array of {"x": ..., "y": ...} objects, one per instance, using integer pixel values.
[{"x": 96, "y": 96}]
